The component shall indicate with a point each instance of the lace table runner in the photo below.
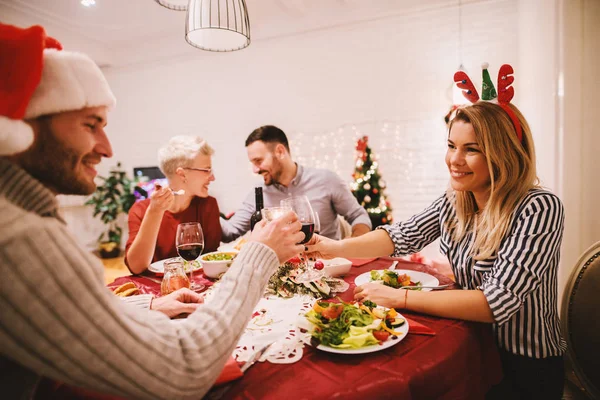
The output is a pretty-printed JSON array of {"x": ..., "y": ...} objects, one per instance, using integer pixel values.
[{"x": 274, "y": 320}]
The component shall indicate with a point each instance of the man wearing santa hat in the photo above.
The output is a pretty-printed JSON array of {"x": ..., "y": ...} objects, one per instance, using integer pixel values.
[{"x": 58, "y": 320}]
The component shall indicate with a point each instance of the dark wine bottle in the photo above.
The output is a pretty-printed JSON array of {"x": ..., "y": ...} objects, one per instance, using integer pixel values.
[{"x": 257, "y": 216}]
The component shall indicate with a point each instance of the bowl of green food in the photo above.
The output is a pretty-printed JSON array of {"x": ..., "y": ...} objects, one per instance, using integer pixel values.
[{"x": 216, "y": 263}]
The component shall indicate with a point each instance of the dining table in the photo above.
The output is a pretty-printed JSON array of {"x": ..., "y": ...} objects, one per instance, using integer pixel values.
[{"x": 456, "y": 360}]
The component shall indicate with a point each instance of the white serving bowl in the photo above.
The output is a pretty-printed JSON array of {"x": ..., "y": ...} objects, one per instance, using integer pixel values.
[
  {"x": 216, "y": 268},
  {"x": 336, "y": 266}
]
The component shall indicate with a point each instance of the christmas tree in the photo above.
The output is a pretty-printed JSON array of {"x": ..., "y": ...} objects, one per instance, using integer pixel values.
[{"x": 368, "y": 187}]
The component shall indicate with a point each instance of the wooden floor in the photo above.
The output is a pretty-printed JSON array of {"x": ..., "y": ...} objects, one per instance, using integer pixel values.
[{"x": 114, "y": 268}]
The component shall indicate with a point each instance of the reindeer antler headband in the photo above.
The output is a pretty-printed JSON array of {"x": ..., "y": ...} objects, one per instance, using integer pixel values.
[{"x": 503, "y": 98}]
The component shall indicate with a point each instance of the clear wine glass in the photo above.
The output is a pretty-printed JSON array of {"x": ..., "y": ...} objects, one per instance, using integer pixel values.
[
  {"x": 190, "y": 243},
  {"x": 317, "y": 223},
  {"x": 301, "y": 206},
  {"x": 272, "y": 213}
]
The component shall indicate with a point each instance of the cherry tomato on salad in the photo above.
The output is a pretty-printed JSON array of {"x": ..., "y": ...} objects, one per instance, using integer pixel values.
[
  {"x": 333, "y": 311},
  {"x": 319, "y": 265},
  {"x": 382, "y": 336}
]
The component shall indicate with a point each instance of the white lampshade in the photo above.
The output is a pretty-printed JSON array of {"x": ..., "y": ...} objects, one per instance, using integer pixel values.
[
  {"x": 177, "y": 5},
  {"x": 217, "y": 25}
]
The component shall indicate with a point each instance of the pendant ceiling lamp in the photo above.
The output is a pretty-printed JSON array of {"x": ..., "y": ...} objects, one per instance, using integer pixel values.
[
  {"x": 177, "y": 5},
  {"x": 217, "y": 25}
]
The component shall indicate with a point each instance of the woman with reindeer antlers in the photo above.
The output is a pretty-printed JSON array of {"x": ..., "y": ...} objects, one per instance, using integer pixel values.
[{"x": 501, "y": 233}]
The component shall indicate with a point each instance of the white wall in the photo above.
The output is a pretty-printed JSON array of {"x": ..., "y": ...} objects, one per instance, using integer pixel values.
[
  {"x": 590, "y": 215},
  {"x": 354, "y": 79},
  {"x": 396, "y": 70},
  {"x": 578, "y": 120}
]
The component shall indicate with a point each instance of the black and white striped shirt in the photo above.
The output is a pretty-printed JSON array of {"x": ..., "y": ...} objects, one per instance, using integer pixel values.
[{"x": 519, "y": 282}]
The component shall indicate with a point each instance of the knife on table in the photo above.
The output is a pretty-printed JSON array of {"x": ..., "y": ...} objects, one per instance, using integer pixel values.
[{"x": 255, "y": 357}]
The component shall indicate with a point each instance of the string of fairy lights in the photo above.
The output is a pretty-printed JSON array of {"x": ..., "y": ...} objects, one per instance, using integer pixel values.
[
  {"x": 366, "y": 177},
  {"x": 408, "y": 154}
]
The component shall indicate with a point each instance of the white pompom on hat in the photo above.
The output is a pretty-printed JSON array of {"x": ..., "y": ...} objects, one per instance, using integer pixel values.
[{"x": 38, "y": 78}]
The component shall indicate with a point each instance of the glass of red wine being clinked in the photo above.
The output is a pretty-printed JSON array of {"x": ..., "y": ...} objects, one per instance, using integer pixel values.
[
  {"x": 307, "y": 217},
  {"x": 190, "y": 243}
]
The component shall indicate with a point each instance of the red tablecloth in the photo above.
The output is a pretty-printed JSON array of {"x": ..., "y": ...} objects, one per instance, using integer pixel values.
[
  {"x": 149, "y": 283},
  {"x": 460, "y": 362}
]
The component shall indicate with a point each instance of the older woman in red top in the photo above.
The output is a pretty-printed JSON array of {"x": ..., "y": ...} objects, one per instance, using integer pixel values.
[{"x": 186, "y": 162}]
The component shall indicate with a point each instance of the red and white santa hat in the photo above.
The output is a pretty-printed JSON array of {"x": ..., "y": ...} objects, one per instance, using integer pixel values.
[{"x": 38, "y": 78}]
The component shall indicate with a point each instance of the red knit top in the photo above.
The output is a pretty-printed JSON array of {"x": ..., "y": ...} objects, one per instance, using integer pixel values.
[{"x": 203, "y": 210}]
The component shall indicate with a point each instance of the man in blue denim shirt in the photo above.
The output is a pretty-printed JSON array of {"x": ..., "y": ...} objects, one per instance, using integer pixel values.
[{"x": 269, "y": 153}]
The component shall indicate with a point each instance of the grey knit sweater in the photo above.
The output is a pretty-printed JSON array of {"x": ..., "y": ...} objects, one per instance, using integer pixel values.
[{"x": 60, "y": 321}]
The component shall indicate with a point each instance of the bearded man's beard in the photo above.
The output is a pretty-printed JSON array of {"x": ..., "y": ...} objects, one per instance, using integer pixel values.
[
  {"x": 55, "y": 164},
  {"x": 276, "y": 172}
]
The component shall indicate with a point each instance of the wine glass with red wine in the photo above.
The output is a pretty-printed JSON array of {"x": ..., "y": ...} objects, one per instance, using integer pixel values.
[
  {"x": 190, "y": 243},
  {"x": 317, "y": 224},
  {"x": 301, "y": 206}
]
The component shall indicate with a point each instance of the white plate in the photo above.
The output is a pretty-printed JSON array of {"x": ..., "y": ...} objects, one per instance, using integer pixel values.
[
  {"x": 415, "y": 276},
  {"x": 225, "y": 247},
  {"x": 376, "y": 347},
  {"x": 158, "y": 267}
]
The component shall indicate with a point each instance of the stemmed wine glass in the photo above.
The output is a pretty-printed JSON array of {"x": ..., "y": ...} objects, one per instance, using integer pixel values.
[
  {"x": 272, "y": 213},
  {"x": 190, "y": 243},
  {"x": 317, "y": 223},
  {"x": 301, "y": 206}
]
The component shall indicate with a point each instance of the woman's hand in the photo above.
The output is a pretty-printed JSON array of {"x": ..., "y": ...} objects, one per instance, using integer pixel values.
[
  {"x": 322, "y": 247},
  {"x": 380, "y": 294},
  {"x": 162, "y": 199}
]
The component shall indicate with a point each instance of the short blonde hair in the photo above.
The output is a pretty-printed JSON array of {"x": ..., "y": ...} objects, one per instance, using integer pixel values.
[{"x": 180, "y": 152}]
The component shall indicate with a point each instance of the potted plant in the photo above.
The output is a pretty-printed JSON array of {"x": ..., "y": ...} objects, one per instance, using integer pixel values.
[{"x": 111, "y": 199}]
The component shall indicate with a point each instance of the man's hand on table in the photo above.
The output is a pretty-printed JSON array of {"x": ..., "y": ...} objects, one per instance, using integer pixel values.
[
  {"x": 181, "y": 301},
  {"x": 281, "y": 235}
]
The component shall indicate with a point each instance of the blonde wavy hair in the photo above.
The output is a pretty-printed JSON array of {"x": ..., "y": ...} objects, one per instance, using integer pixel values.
[
  {"x": 512, "y": 173},
  {"x": 180, "y": 152}
]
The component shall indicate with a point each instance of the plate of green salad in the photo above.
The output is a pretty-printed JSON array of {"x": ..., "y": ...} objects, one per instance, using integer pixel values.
[
  {"x": 354, "y": 328},
  {"x": 398, "y": 278},
  {"x": 158, "y": 267}
]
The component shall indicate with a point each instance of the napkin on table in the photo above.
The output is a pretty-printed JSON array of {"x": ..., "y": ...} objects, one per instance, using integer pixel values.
[
  {"x": 357, "y": 262},
  {"x": 230, "y": 372},
  {"x": 418, "y": 328}
]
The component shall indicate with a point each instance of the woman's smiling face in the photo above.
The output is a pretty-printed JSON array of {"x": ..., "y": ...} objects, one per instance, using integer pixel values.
[{"x": 466, "y": 162}]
